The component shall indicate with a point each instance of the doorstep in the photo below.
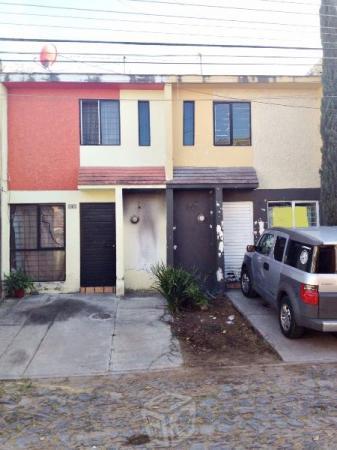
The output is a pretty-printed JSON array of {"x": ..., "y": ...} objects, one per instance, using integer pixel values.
[{"x": 98, "y": 290}]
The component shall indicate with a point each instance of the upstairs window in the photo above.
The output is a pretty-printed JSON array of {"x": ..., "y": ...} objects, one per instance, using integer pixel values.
[
  {"x": 188, "y": 123},
  {"x": 100, "y": 122},
  {"x": 144, "y": 137},
  {"x": 231, "y": 123},
  {"x": 37, "y": 241}
]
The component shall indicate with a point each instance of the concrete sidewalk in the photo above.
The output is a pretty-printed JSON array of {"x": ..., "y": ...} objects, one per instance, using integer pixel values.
[
  {"x": 312, "y": 347},
  {"x": 67, "y": 335}
]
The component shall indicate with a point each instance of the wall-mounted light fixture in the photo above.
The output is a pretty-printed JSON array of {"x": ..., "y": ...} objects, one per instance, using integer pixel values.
[
  {"x": 201, "y": 218},
  {"x": 134, "y": 219}
]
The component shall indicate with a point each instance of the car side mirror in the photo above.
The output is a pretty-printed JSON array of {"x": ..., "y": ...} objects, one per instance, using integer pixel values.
[{"x": 251, "y": 248}]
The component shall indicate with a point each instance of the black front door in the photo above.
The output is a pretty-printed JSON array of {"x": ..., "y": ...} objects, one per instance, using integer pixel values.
[
  {"x": 194, "y": 238},
  {"x": 98, "y": 244}
]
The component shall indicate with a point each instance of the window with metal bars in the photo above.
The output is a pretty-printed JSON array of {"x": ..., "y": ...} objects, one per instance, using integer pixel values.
[
  {"x": 293, "y": 214},
  {"x": 100, "y": 122},
  {"x": 232, "y": 123},
  {"x": 37, "y": 241}
]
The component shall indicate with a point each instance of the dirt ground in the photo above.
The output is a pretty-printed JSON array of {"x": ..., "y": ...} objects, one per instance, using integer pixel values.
[{"x": 219, "y": 336}]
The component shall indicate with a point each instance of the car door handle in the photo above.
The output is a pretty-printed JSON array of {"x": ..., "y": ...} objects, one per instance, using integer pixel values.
[{"x": 266, "y": 266}]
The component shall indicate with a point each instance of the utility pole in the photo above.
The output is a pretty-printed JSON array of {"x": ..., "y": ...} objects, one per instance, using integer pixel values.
[{"x": 328, "y": 172}]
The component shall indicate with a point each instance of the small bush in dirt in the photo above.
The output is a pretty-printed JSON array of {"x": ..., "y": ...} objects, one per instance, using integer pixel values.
[{"x": 179, "y": 287}]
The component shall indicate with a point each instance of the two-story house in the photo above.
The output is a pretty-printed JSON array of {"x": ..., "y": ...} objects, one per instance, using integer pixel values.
[
  {"x": 246, "y": 155},
  {"x": 84, "y": 201},
  {"x": 101, "y": 178}
]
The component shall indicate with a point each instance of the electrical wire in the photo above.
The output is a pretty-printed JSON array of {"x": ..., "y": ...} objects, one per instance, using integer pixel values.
[
  {"x": 167, "y": 55},
  {"x": 174, "y": 33},
  {"x": 226, "y": 7},
  {"x": 162, "y": 44},
  {"x": 107, "y": 19},
  {"x": 178, "y": 63},
  {"x": 215, "y": 19}
]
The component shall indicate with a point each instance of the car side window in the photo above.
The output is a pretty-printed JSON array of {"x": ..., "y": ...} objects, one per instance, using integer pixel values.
[
  {"x": 279, "y": 248},
  {"x": 299, "y": 255},
  {"x": 265, "y": 244}
]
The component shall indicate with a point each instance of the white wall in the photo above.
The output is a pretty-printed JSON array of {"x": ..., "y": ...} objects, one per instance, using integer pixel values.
[{"x": 144, "y": 242}]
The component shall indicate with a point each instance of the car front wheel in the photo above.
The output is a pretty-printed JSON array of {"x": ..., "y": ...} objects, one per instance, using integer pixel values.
[
  {"x": 287, "y": 321},
  {"x": 246, "y": 284}
]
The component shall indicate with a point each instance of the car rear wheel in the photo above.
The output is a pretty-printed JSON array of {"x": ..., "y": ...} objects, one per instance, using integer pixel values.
[
  {"x": 246, "y": 284},
  {"x": 287, "y": 321}
]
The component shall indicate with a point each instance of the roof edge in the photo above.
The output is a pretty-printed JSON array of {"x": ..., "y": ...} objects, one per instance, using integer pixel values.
[{"x": 170, "y": 79}]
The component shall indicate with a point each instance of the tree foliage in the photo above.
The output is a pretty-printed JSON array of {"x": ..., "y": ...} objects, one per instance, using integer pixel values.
[{"x": 328, "y": 172}]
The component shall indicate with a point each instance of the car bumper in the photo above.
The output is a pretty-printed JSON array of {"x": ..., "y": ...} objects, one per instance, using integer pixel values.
[{"x": 321, "y": 324}]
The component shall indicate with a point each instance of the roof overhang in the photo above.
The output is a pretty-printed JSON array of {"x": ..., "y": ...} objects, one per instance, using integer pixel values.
[
  {"x": 110, "y": 177},
  {"x": 226, "y": 177}
]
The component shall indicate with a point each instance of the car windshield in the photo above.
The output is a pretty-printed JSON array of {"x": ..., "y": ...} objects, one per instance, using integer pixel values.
[{"x": 326, "y": 259}]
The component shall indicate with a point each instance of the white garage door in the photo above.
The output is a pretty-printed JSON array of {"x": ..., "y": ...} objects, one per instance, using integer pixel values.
[{"x": 238, "y": 233}]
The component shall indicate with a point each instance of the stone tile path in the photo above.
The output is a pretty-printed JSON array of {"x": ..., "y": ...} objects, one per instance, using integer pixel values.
[{"x": 67, "y": 335}]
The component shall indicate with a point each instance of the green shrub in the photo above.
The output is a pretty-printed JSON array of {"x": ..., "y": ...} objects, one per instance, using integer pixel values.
[
  {"x": 17, "y": 279},
  {"x": 179, "y": 287}
]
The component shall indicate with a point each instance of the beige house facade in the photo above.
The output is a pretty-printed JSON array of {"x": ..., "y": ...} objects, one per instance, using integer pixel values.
[{"x": 101, "y": 180}]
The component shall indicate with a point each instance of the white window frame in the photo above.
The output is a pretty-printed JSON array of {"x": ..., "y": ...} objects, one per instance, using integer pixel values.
[{"x": 293, "y": 204}]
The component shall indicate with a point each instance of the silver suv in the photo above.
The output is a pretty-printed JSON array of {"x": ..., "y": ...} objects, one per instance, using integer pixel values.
[{"x": 295, "y": 270}]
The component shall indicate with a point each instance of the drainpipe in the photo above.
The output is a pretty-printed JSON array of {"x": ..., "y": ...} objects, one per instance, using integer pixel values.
[{"x": 3, "y": 176}]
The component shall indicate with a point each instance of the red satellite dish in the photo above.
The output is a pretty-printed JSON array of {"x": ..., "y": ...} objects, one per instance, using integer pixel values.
[{"x": 48, "y": 55}]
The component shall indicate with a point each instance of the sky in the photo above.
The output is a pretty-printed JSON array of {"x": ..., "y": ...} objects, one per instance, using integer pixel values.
[{"x": 290, "y": 23}]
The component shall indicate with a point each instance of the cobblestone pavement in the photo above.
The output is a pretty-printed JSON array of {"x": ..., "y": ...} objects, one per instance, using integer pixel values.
[{"x": 245, "y": 407}]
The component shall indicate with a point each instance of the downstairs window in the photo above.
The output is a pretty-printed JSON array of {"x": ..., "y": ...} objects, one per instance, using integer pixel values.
[
  {"x": 293, "y": 214},
  {"x": 37, "y": 241}
]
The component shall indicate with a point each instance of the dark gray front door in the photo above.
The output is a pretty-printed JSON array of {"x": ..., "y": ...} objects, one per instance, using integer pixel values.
[
  {"x": 98, "y": 244},
  {"x": 194, "y": 232}
]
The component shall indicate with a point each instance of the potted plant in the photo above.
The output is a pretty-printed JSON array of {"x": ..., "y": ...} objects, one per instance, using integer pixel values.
[{"x": 17, "y": 283}]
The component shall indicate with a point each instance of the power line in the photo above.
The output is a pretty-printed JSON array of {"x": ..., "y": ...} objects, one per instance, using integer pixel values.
[
  {"x": 160, "y": 44},
  {"x": 239, "y": 8},
  {"x": 178, "y": 63},
  {"x": 107, "y": 19},
  {"x": 157, "y": 15},
  {"x": 278, "y": 1},
  {"x": 292, "y": 2},
  {"x": 73, "y": 27},
  {"x": 168, "y": 55}
]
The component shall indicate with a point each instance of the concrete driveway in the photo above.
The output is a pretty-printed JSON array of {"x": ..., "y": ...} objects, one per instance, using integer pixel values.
[
  {"x": 312, "y": 347},
  {"x": 66, "y": 335}
]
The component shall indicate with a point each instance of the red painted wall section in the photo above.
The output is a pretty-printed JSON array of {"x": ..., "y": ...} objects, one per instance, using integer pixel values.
[{"x": 44, "y": 132}]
